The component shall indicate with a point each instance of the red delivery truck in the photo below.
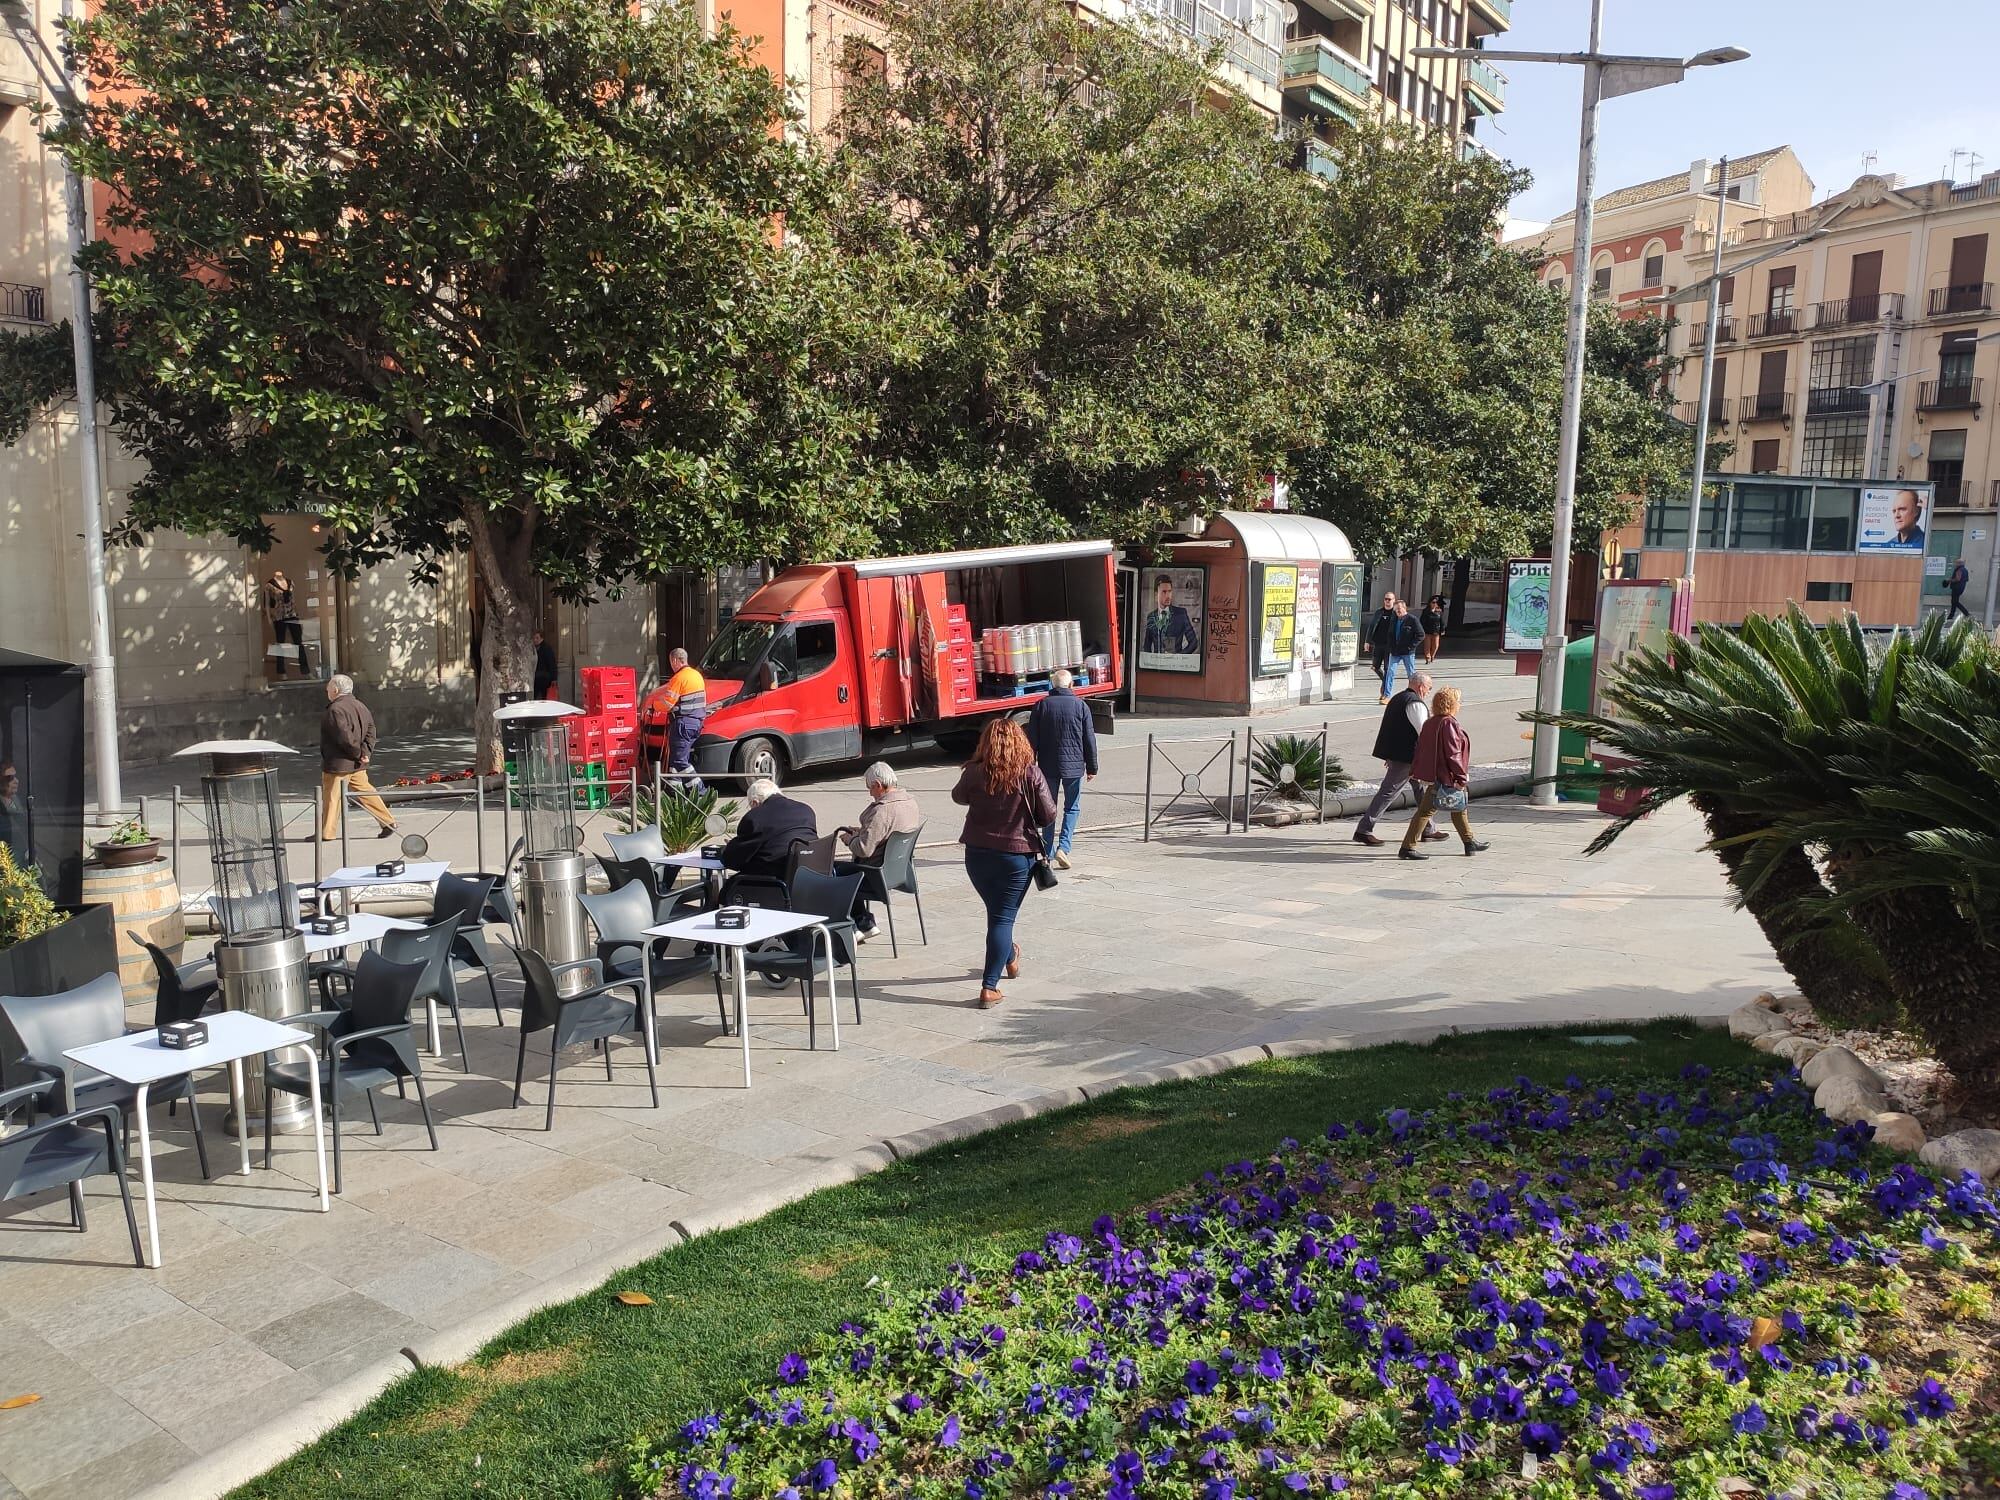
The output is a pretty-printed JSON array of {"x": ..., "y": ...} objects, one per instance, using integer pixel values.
[{"x": 853, "y": 661}]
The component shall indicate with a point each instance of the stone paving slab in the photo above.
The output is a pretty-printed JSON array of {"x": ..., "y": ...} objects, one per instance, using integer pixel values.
[{"x": 1148, "y": 958}]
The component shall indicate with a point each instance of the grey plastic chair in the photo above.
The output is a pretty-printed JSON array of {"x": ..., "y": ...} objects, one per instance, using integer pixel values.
[
  {"x": 596, "y": 1013},
  {"x": 467, "y": 897},
  {"x": 621, "y": 918},
  {"x": 62, "y": 1151},
  {"x": 185, "y": 989},
  {"x": 803, "y": 955},
  {"x": 641, "y": 843},
  {"x": 36, "y": 1030},
  {"x": 370, "y": 1043},
  {"x": 896, "y": 872}
]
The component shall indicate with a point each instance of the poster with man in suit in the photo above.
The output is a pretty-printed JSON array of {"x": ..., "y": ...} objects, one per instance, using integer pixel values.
[{"x": 1170, "y": 630}]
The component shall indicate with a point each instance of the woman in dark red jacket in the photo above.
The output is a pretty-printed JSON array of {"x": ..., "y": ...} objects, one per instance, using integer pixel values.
[
  {"x": 1444, "y": 765},
  {"x": 1007, "y": 806}
]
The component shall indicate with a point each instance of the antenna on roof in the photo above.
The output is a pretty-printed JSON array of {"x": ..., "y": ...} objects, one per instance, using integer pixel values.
[{"x": 1869, "y": 159}]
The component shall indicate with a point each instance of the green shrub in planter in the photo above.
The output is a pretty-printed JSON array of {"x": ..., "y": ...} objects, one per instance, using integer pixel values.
[
  {"x": 682, "y": 816},
  {"x": 25, "y": 909},
  {"x": 1303, "y": 753}
]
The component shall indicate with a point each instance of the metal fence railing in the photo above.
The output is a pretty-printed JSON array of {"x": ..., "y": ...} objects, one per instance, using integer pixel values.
[
  {"x": 1189, "y": 790},
  {"x": 1292, "y": 759}
]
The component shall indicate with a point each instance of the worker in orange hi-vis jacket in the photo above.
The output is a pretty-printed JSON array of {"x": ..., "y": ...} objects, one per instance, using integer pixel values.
[{"x": 686, "y": 700}]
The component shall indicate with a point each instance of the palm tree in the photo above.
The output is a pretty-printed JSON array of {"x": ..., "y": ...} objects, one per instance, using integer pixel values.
[
  {"x": 1875, "y": 764},
  {"x": 1683, "y": 717}
]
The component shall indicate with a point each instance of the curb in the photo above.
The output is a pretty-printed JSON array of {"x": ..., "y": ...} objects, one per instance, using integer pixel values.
[{"x": 243, "y": 1460}]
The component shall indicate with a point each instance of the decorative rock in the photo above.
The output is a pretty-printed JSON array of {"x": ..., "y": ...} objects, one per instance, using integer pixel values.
[
  {"x": 1965, "y": 1151},
  {"x": 1844, "y": 1100},
  {"x": 1838, "y": 1062},
  {"x": 1751, "y": 1021},
  {"x": 1795, "y": 1005},
  {"x": 1769, "y": 1041},
  {"x": 1897, "y": 1131},
  {"x": 1767, "y": 1001},
  {"x": 1796, "y": 1050}
]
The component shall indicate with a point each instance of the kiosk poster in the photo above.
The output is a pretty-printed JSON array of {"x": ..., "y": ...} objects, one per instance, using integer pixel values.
[
  {"x": 1305, "y": 627},
  {"x": 1892, "y": 520},
  {"x": 1527, "y": 620},
  {"x": 1277, "y": 616},
  {"x": 1170, "y": 631},
  {"x": 1341, "y": 614},
  {"x": 1632, "y": 614}
]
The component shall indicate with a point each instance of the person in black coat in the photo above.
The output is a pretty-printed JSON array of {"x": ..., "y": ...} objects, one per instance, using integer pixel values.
[
  {"x": 1065, "y": 744},
  {"x": 1381, "y": 630},
  {"x": 762, "y": 845},
  {"x": 545, "y": 667}
]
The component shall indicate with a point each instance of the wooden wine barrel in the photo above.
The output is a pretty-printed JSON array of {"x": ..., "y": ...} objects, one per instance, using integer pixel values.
[{"x": 144, "y": 899}]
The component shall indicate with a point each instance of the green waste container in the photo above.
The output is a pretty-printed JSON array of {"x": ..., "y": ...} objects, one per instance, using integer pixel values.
[{"x": 1577, "y": 774}]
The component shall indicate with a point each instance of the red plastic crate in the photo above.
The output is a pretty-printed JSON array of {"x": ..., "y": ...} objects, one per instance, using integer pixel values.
[
  {"x": 620, "y": 720},
  {"x": 609, "y": 688},
  {"x": 586, "y": 738}
]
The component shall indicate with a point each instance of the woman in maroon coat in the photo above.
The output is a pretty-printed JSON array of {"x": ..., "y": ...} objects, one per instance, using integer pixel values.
[
  {"x": 1444, "y": 765},
  {"x": 1007, "y": 805}
]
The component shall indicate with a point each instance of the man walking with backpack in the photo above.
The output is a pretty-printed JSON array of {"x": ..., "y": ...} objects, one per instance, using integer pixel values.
[{"x": 1065, "y": 745}]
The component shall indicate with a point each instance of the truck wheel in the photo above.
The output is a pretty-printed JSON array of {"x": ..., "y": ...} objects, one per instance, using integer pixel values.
[{"x": 758, "y": 757}]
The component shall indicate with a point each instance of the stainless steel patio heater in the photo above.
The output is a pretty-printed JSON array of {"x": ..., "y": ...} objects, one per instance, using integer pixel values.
[
  {"x": 552, "y": 871},
  {"x": 260, "y": 960}
]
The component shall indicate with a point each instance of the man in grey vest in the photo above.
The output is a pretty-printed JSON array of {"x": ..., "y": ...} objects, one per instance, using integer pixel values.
[{"x": 1396, "y": 746}]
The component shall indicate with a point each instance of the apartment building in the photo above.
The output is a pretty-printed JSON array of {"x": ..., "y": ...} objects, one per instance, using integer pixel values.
[{"x": 1849, "y": 356}]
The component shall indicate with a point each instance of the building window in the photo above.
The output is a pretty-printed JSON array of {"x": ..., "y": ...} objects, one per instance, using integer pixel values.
[
  {"x": 1822, "y": 592},
  {"x": 297, "y": 602},
  {"x": 1955, "y": 355},
  {"x": 1770, "y": 517},
  {"x": 1947, "y": 465},
  {"x": 1667, "y": 521},
  {"x": 1841, "y": 364},
  {"x": 1764, "y": 456},
  {"x": 1655, "y": 268},
  {"x": 1835, "y": 447},
  {"x": 1782, "y": 299},
  {"x": 1600, "y": 276},
  {"x": 1833, "y": 518}
]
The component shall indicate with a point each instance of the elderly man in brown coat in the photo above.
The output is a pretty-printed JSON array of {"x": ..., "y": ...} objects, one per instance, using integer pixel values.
[{"x": 346, "y": 743}]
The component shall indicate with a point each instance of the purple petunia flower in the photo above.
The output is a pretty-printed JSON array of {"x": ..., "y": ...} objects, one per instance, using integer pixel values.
[
  {"x": 820, "y": 1477},
  {"x": 1933, "y": 1401},
  {"x": 1544, "y": 1439},
  {"x": 793, "y": 1368},
  {"x": 1750, "y": 1420},
  {"x": 1201, "y": 1377}
]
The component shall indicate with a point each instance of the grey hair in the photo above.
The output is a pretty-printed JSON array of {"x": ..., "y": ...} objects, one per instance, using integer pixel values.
[
  {"x": 678, "y": 655},
  {"x": 1062, "y": 677},
  {"x": 1424, "y": 677},
  {"x": 879, "y": 774},
  {"x": 341, "y": 683},
  {"x": 761, "y": 790}
]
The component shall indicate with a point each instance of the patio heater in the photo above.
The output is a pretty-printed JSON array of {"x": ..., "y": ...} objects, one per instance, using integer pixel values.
[
  {"x": 552, "y": 875},
  {"x": 260, "y": 959}
]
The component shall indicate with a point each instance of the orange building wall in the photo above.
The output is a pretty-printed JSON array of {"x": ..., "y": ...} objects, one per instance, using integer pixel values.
[{"x": 1730, "y": 585}]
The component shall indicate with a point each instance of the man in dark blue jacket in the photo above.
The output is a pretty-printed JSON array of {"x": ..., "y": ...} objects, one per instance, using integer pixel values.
[{"x": 1065, "y": 744}]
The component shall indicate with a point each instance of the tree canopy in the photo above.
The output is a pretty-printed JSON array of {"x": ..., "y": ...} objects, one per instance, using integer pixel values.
[{"x": 1110, "y": 259}]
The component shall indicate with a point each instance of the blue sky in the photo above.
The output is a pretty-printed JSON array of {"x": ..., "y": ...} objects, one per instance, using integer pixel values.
[{"x": 1833, "y": 79}]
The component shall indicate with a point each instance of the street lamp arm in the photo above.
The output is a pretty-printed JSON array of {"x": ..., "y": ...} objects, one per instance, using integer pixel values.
[{"x": 1577, "y": 59}]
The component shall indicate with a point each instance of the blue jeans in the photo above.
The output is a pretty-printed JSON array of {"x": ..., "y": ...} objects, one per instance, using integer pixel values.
[
  {"x": 1407, "y": 660},
  {"x": 1002, "y": 880},
  {"x": 1069, "y": 789}
]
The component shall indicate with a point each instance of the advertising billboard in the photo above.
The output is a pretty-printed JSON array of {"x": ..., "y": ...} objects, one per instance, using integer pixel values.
[
  {"x": 1893, "y": 519},
  {"x": 1176, "y": 610},
  {"x": 1527, "y": 611},
  {"x": 1277, "y": 618},
  {"x": 1340, "y": 619}
]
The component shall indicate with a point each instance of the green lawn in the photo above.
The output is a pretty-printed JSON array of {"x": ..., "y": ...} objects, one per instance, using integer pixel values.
[{"x": 547, "y": 1409}]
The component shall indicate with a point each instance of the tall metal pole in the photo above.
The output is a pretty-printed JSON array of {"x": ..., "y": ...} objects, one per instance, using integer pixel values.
[
  {"x": 1542, "y": 784},
  {"x": 103, "y": 673},
  {"x": 1707, "y": 369}
]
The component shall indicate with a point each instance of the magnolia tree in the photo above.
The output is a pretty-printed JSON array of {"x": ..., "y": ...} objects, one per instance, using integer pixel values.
[{"x": 490, "y": 276}]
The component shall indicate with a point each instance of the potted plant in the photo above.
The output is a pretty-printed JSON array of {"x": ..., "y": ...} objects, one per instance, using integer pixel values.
[
  {"x": 46, "y": 947},
  {"x": 132, "y": 844}
]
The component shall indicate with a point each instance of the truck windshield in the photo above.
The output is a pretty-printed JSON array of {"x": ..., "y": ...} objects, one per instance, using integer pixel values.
[{"x": 738, "y": 649}]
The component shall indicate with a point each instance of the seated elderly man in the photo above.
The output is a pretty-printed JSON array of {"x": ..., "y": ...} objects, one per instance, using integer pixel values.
[
  {"x": 762, "y": 844},
  {"x": 890, "y": 810}
]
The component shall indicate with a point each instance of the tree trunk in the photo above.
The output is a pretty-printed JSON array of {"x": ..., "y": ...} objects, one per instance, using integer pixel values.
[
  {"x": 1829, "y": 959},
  {"x": 1461, "y": 585},
  {"x": 1947, "y": 977},
  {"x": 513, "y": 614}
]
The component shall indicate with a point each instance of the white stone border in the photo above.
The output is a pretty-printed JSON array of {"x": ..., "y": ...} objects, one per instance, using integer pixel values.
[{"x": 290, "y": 1432}]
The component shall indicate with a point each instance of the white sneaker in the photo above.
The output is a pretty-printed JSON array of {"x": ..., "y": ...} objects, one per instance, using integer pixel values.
[
  {"x": 868, "y": 934},
  {"x": 1061, "y": 861}
]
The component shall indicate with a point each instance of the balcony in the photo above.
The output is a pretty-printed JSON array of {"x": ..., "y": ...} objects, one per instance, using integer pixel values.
[
  {"x": 1956, "y": 493},
  {"x": 1766, "y": 406},
  {"x": 1688, "y": 411},
  {"x": 1485, "y": 87},
  {"x": 1958, "y": 394},
  {"x": 1725, "y": 333},
  {"x": 1322, "y": 77},
  {"x": 1775, "y": 324},
  {"x": 1355, "y": 10},
  {"x": 1880, "y": 307},
  {"x": 1319, "y": 161},
  {"x": 1834, "y": 400},
  {"x": 1492, "y": 15},
  {"x": 23, "y": 304},
  {"x": 1950, "y": 301}
]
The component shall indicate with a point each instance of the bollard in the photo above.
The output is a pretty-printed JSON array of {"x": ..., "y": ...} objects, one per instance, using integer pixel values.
[
  {"x": 1229, "y": 792},
  {"x": 479, "y": 821},
  {"x": 1147, "y": 836}
]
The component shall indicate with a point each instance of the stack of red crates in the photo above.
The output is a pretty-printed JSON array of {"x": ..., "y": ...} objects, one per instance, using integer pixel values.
[
  {"x": 611, "y": 694},
  {"x": 586, "y": 739},
  {"x": 960, "y": 655}
]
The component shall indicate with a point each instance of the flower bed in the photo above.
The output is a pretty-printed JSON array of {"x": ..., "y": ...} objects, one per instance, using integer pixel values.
[{"x": 1684, "y": 1290}]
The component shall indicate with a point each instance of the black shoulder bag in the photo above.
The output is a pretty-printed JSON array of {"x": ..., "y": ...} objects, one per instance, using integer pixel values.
[{"x": 1043, "y": 872}]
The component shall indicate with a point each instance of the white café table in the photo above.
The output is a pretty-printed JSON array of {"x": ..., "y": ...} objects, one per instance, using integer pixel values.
[
  {"x": 362, "y": 927},
  {"x": 363, "y": 877},
  {"x": 232, "y": 1036},
  {"x": 764, "y": 924}
]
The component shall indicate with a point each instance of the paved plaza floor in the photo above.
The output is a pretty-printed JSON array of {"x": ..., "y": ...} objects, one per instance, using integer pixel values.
[{"x": 1149, "y": 954}]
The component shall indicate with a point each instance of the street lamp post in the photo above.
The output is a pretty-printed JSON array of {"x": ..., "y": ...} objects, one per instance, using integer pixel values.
[{"x": 1605, "y": 76}]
